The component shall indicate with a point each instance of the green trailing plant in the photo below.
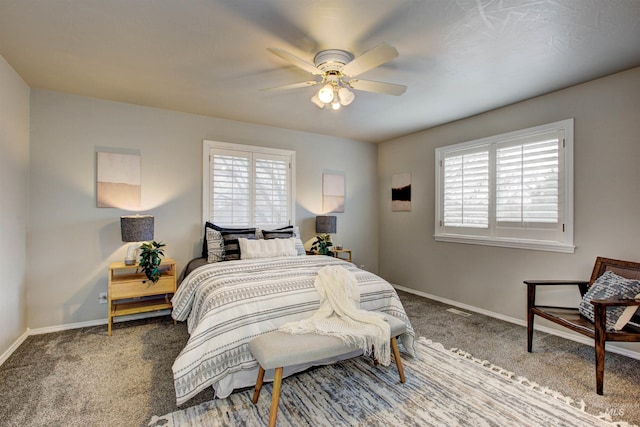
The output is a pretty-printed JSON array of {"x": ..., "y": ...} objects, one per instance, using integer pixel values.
[
  {"x": 150, "y": 259},
  {"x": 322, "y": 245}
]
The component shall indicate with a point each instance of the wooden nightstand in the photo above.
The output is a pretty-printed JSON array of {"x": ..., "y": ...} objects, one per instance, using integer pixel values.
[
  {"x": 130, "y": 292},
  {"x": 336, "y": 253},
  {"x": 344, "y": 254}
]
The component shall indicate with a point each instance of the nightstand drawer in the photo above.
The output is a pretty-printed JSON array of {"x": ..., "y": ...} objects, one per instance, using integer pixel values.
[{"x": 142, "y": 287}]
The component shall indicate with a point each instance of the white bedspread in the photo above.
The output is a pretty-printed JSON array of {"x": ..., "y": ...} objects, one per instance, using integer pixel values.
[{"x": 226, "y": 304}]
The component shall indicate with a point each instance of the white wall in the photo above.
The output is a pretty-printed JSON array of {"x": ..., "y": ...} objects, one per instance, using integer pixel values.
[
  {"x": 14, "y": 189},
  {"x": 607, "y": 200},
  {"x": 71, "y": 242}
]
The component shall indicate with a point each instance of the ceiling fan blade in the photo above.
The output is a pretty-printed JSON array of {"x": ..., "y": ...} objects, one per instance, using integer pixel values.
[
  {"x": 292, "y": 86},
  {"x": 377, "y": 87},
  {"x": 370, "y": 59},
  {"x": 309, "y": 68}
]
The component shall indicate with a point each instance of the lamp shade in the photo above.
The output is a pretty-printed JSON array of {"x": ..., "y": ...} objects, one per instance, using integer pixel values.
[
  {"x": 346, "y": 96},
  {"x": 317, "y": 101},
  {"x": 326, "y": 224},
  {"x": 325, "y": 94},
  {"x": 136, "y": 228}
]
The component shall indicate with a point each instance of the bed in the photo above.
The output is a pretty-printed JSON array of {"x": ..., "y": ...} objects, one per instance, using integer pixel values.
[{"x": 225, "y": 304}]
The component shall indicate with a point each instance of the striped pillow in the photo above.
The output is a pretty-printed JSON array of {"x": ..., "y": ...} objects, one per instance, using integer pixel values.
[
  {"x": 277, "y": 234},
  {"x": 231, "y": 245},
  {"x": 214, "y": 245}
]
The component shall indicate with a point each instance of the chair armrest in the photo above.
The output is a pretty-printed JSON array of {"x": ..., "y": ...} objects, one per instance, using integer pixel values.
[
  {"x": 583, "y": 285},
  {"x": 556, "y": 282},
  {"x": 533, "y": 284},
  {"x": 615, "y": 302}
]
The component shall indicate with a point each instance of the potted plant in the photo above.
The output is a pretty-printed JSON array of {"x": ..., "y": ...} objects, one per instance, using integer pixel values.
[
  {"x": 150, "y": 259},
  {"x": 322, "y": 245}
]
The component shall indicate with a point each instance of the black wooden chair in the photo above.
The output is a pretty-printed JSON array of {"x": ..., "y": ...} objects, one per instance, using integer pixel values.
[{"x": 572, "y": 319}]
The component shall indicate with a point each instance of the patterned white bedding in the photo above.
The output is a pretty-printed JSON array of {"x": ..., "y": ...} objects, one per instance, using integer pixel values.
[{"x": 226, "y": 304}]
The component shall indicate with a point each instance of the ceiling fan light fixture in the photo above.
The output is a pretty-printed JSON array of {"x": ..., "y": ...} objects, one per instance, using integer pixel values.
[
  {"x": 325, "y": 94},
  {"x": 346, "y": 96},
  {"x": 333, "y": 66},
  {"x": 317, "y": 101}
]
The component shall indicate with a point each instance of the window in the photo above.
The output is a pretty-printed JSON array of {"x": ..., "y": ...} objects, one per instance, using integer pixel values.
[
  {"x": 247, "y": 186},
  {"x": 513, "y": 190}
]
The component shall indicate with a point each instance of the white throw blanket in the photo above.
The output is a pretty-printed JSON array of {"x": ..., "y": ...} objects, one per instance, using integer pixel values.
[{"x": 340, "y": 315}]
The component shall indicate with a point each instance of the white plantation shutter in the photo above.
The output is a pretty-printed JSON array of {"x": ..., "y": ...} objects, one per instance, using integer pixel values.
[
  {"x": 271, "y": 190},
  {"x": 230, "y": 187},
  {"x": 513, "y": 190},
  {"x": 248, "y": 186},
  {"x": 466, "y": 189},
  {"x": 528, "y": 181}
]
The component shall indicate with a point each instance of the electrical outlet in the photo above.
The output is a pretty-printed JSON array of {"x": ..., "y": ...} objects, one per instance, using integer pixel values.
[
  {"x": 102, "y": 297},
  {"x": 361, "y": 266}
]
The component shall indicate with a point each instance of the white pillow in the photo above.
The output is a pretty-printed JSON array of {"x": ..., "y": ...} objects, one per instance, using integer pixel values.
[{"x": 252, "y": 249}]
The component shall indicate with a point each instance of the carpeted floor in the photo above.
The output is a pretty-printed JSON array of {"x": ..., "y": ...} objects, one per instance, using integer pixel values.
[
  {"x": 84, "y": 378},
  {"x": 443, "y": 388}
]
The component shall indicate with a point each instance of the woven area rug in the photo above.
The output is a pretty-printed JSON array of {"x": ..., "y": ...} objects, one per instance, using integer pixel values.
[{"x": 443, "y": 388}]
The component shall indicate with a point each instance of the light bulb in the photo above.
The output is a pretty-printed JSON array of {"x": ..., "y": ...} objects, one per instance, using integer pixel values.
[
  {"x": 326, "y": 94},
  {"x": 346, "y": 96},
  {"x": 335, "y": 105},
  {"x": 317, "y": 101}
]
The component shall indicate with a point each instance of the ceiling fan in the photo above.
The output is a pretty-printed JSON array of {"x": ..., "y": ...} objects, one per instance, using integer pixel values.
[{"x": 337, "y": 70}]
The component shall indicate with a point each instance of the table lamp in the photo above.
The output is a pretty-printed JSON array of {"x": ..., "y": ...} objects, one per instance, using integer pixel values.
[
  {"x": 326, "y": 224},
  {"x": 136, "y": 229}
]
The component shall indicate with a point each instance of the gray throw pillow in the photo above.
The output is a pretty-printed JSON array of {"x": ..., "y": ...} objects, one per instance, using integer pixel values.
[{"x": 609, "y": 286}]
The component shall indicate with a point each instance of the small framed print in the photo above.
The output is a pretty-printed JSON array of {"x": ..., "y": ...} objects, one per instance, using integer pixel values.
[
  {"x": 401, "y": 192},
  {"x": 118, "y": 181},
  {"x": 333, "y": 192}
]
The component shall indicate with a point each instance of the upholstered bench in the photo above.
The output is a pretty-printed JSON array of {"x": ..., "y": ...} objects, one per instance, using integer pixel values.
[{"x": 277, "y": 350}]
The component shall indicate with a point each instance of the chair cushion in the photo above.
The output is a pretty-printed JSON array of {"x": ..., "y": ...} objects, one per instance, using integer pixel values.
[{"x": 609, "y": 286}]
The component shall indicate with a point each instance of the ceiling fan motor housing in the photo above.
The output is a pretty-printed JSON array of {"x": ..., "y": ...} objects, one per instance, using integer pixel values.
[{"x": 332, "y": 59}]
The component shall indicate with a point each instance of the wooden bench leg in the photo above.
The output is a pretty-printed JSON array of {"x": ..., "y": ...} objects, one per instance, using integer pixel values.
[
  {"x": 396, "y": 355},
  {"x": 275, "y": 397},
  {"x": 256, "y": 392},
  {"x": 275, "y": 394}
]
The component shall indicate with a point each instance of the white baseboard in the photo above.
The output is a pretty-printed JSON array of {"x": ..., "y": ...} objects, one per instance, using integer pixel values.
[
  {"x": 567, "y": 335},
  {"x": 68, "y": 326},
  {"x": 97, "y": 322},
  {"x": 13, "y": 347}
]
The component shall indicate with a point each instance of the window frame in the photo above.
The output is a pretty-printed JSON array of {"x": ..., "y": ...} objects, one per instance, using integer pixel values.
[
  {"x": 209, "y": 145},
  {"x": 497, "y": 234}
]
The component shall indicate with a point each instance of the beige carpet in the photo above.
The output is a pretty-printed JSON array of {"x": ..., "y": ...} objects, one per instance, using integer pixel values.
[
  {"x": 84, "y": 378},
  {"x": 442, "y": 388}
]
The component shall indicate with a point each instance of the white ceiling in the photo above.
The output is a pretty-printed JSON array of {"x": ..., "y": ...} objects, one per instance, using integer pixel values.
[{"x": 458, "y": 58}]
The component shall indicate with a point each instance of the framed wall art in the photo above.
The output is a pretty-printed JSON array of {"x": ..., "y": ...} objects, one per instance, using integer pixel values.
[
  {"x": 118, "y": 181},
  {"x": 333, "y": 192},
  {"x": 401, "y": 192}
]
